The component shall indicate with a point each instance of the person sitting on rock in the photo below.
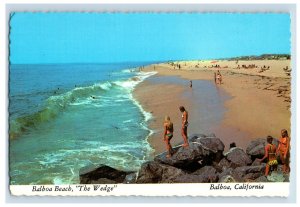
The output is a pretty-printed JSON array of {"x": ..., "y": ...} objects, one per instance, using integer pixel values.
[
  {"x": 284, "y": 150},
  {"x": 270, "y": 153},
  {"x": 168, "y": 134}
]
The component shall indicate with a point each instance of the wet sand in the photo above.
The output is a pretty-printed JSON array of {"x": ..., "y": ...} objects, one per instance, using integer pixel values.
[{"x": 254, "y": 103}]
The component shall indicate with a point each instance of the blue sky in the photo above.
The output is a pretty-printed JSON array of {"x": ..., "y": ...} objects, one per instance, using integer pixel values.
[{"x": 121, "y": 37}]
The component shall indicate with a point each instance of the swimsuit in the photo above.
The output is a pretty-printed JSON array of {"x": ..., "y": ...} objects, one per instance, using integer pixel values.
[
  {"x": 272, "y": 162},
  {"x": 170, "y": 129},
  {"x": 283, "y": 146},
  {"x": 186, "y": 123}
]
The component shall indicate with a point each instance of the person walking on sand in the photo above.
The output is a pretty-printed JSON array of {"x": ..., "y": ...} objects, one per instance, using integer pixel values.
[
  {"x": 219, "y": 77},
  {"x": 168, "y": 135},
  {"x": 284, "y": 150},
  {"x": 184, "y": 125},
  {"x": 270, "y": 153},
  {"x": 191, "y": 84}
]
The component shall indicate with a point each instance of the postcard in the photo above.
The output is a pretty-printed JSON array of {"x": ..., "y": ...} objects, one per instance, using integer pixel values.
[{"x": 151, "y": 104}]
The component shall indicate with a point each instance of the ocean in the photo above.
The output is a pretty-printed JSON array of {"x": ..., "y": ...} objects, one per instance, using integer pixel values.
[{"x": 63, "y": 117}]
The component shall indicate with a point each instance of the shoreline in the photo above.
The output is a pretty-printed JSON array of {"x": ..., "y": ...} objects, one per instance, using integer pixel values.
[{"x": 256, "y": 99}]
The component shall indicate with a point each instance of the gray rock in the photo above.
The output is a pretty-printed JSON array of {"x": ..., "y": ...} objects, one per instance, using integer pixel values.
[
  {"x": 103, "y": 181},
  {"x": 208, "y": 174},
  {"x": 222, "y": 165},
  {"x": 150, "y": 172},
  {"x": 262, "y": 179},
  {"x": 154, "y": 172},
  {"x": 190, "y": 158},
  {"x": 227, "y": 179},
  {"x": 251, "y": 177},
  {"x": 170, "y": 174},
  {"x": 207, "y": 170},
  {"x": 237, "y": 157},
  {"x": 189, "y": 178},
  {"x": 214, "y": 144},
  {"x": 256, "y": 162},
  {"x": 101, "y": 174},
  {"x": 243, "y": 171},
  {"x": 230, "y": 172}
]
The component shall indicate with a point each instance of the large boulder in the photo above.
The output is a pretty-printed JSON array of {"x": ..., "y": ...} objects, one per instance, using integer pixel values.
[
  {"x": 101, "y": 174},
  {"x": 210, "y": 141},
  {"x": 229, "y": 175},
  {"x": 256, "y": 148},
  {"x": 190, "y": 159},
  {"x": 256, "y": 162},
  {"x": 208, "y": 174},
  {"x": 154, "y": 172},
  {"x": 150, "y": 172},
  {"x": 215, "y": 145},
  {"x": 237, "y": 157},
  {"x": 222, "y": 165},
  {"x": 250, "y": 173},
  {"x": 203, "y": 150}
]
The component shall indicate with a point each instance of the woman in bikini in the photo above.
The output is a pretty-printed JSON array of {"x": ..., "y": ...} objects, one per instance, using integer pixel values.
[
  {"x": 184, "y": 125},
  {"x": 284, "y": 150},
  {"x": 168, "y": 134},
  {"x": 270, "y": 153}
]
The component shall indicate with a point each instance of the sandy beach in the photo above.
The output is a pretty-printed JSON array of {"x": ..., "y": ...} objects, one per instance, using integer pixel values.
[{"x": 255, "y": 97}]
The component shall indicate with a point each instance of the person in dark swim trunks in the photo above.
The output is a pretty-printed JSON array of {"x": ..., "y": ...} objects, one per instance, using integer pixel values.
[
  {"x": 270, "y": 153},
  {"x": 168, "y": 134},
  {"x": 184, "y": 126}
]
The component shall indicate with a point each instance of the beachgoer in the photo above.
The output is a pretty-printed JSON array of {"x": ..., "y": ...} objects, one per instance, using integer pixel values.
[
  {"x": 284, "y": 150},
  {"x": 168, "y": 134},
  {"x": 219, "y": 77},
  {"x": 191, "y": 84},
  {"x": 270, "y": 153},
  {"x": 184, "y": 125}
]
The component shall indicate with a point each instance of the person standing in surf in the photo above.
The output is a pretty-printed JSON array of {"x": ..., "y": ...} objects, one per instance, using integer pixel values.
[
  {"x": 184, "y": 125},
  {"x": 168, "y": 135}
]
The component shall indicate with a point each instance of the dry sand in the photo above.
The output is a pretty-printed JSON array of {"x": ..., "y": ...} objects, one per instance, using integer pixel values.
[{"x": 259, "y": 103}]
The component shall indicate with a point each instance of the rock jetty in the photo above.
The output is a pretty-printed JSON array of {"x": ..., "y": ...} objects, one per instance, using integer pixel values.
[{"x": 204, "y": 161}]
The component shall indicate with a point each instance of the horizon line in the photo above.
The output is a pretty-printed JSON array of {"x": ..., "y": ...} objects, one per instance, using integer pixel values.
[{"x": 152, "y": 61}]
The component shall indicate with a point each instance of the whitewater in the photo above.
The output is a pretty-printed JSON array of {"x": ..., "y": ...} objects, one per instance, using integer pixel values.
[{"x": 65, "y": 117}]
